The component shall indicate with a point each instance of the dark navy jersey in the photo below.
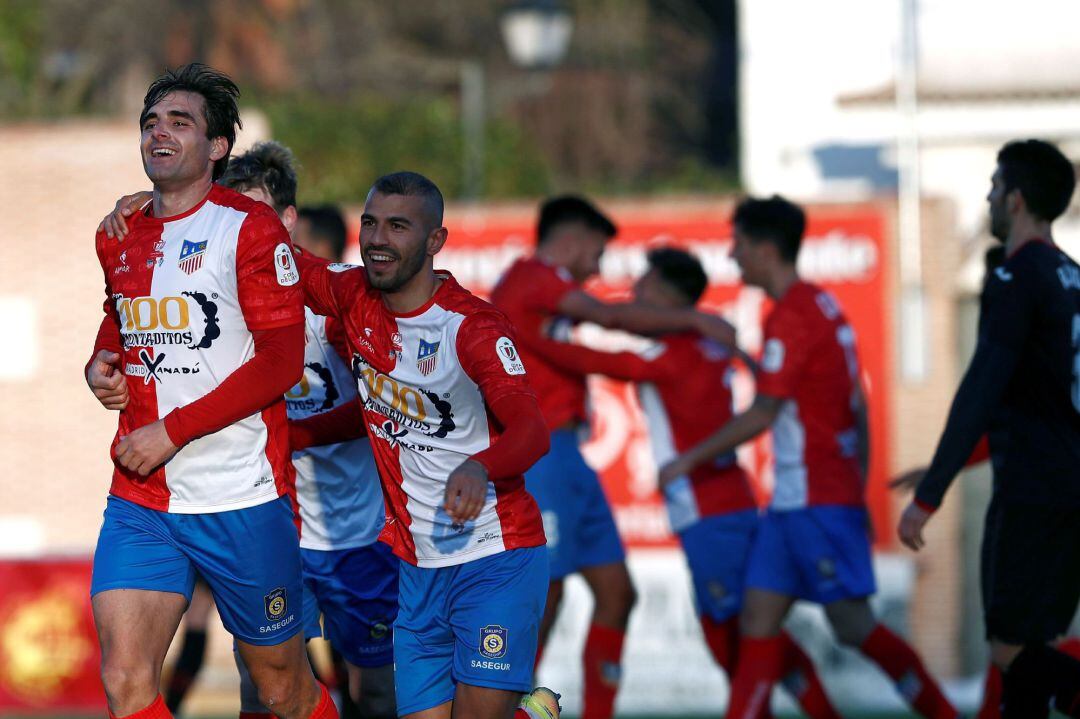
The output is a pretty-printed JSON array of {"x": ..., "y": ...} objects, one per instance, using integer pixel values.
[{"x": 1031, "y": 306}]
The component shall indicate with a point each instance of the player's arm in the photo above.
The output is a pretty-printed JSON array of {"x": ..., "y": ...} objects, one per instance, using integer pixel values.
[
  {"x": 273, "y": 310},
  {"x": 328, "y": 287},
  {"x": 625, "y": 366},
  {"x": 341, "y": 424},
  {"x": 861, "y": 410},
  {"x": 487, "y": 354},
  {"x": 644, "y": 319},
  {"x": 739, "y": 429},
  {"x": 1009, "y": 307}
]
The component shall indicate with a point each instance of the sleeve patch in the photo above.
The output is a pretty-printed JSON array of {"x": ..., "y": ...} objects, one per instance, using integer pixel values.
[
  {"x": 508, "y": 355},
  {"x": 285, "y": 265},
  {"x": 772, "y": 359}
]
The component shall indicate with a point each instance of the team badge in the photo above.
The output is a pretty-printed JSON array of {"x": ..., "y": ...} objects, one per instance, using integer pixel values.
[
  {"x": 379, "y": 631},
  {"x": 826, "y": 568},
  {"x": 276, "y": 604},
  {"x": 508, "y": 355},
  {"x": 426, "y": 356},
  {"x": 493, "y": 641},
  {"x": 191, "y": 256},
  {"x": 285, "y": 266}
]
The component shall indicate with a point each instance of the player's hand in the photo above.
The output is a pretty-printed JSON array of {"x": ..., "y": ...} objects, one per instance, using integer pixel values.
[
  {"x": 716, "y": 328},
  {"x": 145, "y": 449},
  {"x": 106, "y": 380},
  {"x": 671, "y": 471},
  {"x": 466, "y": 490},
  {"x": 911, "y": 526},
  {"x": 114, "y": 224},
  {"x": 909, "y": 480}
]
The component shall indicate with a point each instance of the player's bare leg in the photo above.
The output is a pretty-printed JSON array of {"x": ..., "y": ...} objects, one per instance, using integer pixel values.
[
  {"x": 135, "y": 628},
  {"x": 614, "y": 593},
  {"x": 551, "y": 612},
  {"x": 372, "y": 690},
  {"x": 472, "y": 702},
  {"x": 282, "y": 674},
  {"x": 763, "y": 613},
  {"x": 856, "y": 626}
]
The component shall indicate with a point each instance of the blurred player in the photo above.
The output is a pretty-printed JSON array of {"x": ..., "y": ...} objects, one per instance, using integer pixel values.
[
  {"x": 684, "y": 387},
  {"x": 454, "y": 424},
  {"x": 813, "y": 542},
  {"x": 543, "y": 298},
  {"x": 202, "y": 335},
  {"x": 349, "y": 576},
  {"x": 1023, "y": 385}
]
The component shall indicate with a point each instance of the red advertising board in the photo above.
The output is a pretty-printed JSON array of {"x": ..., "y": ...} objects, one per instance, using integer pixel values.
[
  {"x": 845, "y": 251},
  {"x": 49, "y": 656}
]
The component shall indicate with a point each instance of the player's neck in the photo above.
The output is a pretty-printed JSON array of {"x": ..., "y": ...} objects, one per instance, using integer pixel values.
[
  {"x": 781, "y": 281},
  {"x": 1026, "y": 229},
  {"x": 414, "y": 294},
  {"x": 170, "y": 202}
]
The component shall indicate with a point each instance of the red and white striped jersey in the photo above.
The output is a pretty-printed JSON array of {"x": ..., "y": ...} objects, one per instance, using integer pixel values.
[
  {"x": 687, "y": 397},
  {"x": 809, "y": 360},
  {"x": 186, "y": 292},
  {"x": 426, "y": 379},
  {"x": 337, "y": 485}
]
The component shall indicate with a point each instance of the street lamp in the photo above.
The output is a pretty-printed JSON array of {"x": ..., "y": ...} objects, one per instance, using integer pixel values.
[{"x": 536, "y": 32}]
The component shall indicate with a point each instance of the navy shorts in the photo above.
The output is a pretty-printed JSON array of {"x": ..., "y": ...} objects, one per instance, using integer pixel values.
[
  {"x": 356, "y": 591},
  {"x": 475, "y": 623},
  {"x": 249, "y": 557},
  {"x": 821, "y": 554},
  {"x": 578, "y": 523},
  {"x": 717, "y": 549}
]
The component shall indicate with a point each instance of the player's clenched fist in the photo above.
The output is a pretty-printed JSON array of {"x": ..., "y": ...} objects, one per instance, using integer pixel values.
[
  {"x": 466, "y": 490},
  {"x": 106, "y": 380},
  {"x": 146, "y": 448}
]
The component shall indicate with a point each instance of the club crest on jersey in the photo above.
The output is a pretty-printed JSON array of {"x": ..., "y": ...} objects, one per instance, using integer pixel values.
[
  {"x": 191, "y": 256},
  {"x": 276, "y": 604},
  {"x": 493, "y": 641},
  {"x": 426, "y": 357},
  {"x": 509, "y": 357}
]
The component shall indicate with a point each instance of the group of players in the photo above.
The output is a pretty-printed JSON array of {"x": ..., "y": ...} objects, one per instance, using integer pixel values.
[{"x": 469, "y": 415}]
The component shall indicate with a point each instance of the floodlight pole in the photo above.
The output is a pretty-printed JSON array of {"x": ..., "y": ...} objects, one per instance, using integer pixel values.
[
  {"x": 914, "y": 353},
  {"x": 473, "y": 90}
]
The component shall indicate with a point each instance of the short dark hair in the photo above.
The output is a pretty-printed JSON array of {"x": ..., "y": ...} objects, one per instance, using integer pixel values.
[
  {"x": 412, "y": 184},
  {"x": 1045, "y": 177},
  {"x": 219, "y": 94},
  {"x": 571, "y": 208},
  {"x": 681, "y": 271},
  {"x": 327, "y": 223},
  {"x": 774, "y": 220},
  {"x": 267, "y": 165}
]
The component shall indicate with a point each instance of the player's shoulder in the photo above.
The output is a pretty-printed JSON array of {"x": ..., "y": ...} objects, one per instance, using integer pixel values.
[
  {"x": 455, "y": 298},
  {"x": 226, "y": 197}
]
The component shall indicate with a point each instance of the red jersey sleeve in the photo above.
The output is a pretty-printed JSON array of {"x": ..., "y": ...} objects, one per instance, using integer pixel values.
[
  {"x": 329, "y": 287},
  {"x": 335, "y": 335},
  {"x": 783, "y": 356},
  {"x": 267, "y": 278},
  {"x": 108, "y": 336},
  {"x": 545, "y": 289},
  {"x": 485, "y": 348}
]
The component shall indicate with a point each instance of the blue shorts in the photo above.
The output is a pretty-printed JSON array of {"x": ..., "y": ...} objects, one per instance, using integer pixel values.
[
  {"x": 821, "y": 554},
  {"x": 475, "y": 623},
  {"x": 717, "y": 550},
  {"x": 249, "y": 557},
  {"x": 577, "y": 519},
  {"x": 356, "y": 591}
]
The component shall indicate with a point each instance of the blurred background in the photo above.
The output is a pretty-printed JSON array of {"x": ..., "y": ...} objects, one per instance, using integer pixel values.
[{"x": 883, "y": 117}]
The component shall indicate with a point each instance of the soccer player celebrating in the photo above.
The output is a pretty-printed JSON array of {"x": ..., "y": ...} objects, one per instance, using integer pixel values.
[
  {"x": 1022, "y": 385},
  {"x": 349, "y": 577},
  {"x": 813, "y": 542},
  {"x": 684, "y": 387},
  {"x": 202, "y": 335},
  {"x": 543, "y": 298},
  {"x": 453, "y": 424}
]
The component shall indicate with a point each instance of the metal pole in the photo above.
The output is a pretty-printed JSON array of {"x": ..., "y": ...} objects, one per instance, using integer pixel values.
[
  {"x": 914, "y": 353},
  {"x": 472, "y": 127}
]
